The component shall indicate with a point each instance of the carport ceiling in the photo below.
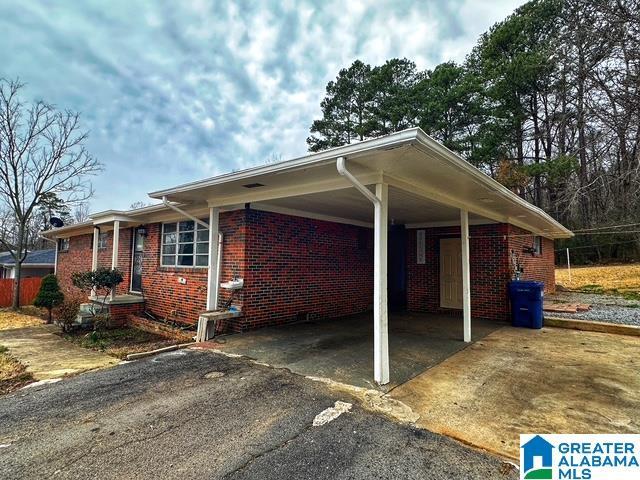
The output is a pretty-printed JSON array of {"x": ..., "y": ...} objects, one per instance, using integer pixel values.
[
  {"x": 420, "y": 170},
  {"x": 348, "y": 203}
]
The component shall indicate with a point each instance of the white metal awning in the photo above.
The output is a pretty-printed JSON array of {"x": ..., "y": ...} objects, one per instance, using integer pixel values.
[{"x": 427, "y": 182}]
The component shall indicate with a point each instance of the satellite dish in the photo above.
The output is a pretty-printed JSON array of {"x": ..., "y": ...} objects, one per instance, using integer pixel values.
[{"x": 56, "y": 222}]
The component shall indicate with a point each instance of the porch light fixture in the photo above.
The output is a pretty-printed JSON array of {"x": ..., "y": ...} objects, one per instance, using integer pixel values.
[{"x": 253, "y": 185}]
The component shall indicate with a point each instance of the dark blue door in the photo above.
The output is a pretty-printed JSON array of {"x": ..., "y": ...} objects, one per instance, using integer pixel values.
[{"x": 397, "y": 268}]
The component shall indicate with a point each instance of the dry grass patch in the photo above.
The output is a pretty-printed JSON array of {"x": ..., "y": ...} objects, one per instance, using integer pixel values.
[
  {"x": 623, "y": 279},
  {"x": 13, "y": 374},
  {"x": 25, "y": 317}
]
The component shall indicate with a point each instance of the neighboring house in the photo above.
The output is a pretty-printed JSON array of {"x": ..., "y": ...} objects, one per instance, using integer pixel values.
[
  {"x": 37, "y": 263},
  {"x": 321, "y": 236}
]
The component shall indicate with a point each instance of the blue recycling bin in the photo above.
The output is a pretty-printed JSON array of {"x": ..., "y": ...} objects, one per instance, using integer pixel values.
[{"x": 526, "y": 303}]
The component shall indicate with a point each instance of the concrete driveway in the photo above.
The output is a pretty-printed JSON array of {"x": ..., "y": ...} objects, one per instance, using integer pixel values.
[
  {"x": 342, "y": 348},
  {"x": 530, "y": 381},
  {"x": 196, "y": 414}
]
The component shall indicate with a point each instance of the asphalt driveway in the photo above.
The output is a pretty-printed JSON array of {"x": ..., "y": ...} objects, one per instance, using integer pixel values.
[{"x": 197, "y": 414}]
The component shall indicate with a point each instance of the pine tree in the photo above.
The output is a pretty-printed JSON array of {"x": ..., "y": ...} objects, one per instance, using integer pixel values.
[{"x": 49, "y": 295}]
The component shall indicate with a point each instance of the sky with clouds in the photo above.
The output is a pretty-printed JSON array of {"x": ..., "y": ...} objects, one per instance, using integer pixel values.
[{"x": 177, "y": 91}]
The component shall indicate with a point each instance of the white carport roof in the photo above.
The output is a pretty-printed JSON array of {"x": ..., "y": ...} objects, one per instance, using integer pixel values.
[{"x": 428, "y": 185}]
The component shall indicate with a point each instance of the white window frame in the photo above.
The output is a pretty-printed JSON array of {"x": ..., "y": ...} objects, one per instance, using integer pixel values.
[
  {"x": 61, "y": 242},
  {"x": 103, "y": 236},
  {"x": 537, "y": 245},
  {"x": 196, "y": 229}
]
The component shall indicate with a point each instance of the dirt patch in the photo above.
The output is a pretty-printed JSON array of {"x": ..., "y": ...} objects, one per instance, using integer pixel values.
[
  {"x": 25, "y": 317},
  {"x": 13, "y": 374},
  {"x": 120, "y": 342}
]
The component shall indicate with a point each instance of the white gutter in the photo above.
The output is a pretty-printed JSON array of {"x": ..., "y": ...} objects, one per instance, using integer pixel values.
[
  {"x": 55, "y": 258},
  {"x": 342, "y": 170},
  {"x": 182, "y": 212}
]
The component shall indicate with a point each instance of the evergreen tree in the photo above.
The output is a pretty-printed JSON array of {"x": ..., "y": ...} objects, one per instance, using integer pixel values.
[{"x": 49, "y": 295}]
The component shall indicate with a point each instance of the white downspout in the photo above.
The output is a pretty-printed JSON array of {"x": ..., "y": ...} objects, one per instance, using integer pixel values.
[
  {"x": 380, "y": 307},
  {"x": 182, "y": 212},
  {"x": 342, "y": 170},
  {"x": 55, "y": 259}
]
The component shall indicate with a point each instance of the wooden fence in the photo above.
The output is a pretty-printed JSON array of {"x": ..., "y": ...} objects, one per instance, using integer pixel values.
[{"x": 28, "y": 290}]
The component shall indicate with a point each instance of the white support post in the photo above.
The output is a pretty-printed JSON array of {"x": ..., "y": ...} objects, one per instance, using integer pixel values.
[
  {"x": 114, "y": 254},
  {"x": 466, "y": 276},
  {"x": 212, "y": 277},
  {"x": 380, "y": 308},
  {"x": 94, "y": 255}
]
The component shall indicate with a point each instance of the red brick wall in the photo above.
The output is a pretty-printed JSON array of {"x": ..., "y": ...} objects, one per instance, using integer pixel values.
[
  {"x": 166, "y": 297},
  {"x": 303, "y": 266},
  {"x": 489, "y": 248},
  {"x": 536, "y": 267},
  {"x": 78, "y": 259},
  {"x": 489, "y": 271},
  {"x": 294, "y": 266}
]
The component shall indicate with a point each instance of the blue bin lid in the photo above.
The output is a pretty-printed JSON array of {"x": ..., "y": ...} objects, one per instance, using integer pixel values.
[{"x": 525, "y": 284}]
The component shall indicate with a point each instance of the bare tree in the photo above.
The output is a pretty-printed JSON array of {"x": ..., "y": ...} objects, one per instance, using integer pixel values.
[
  {"x": 42, "y": 154},
  {"x": 80, "y": 213}
]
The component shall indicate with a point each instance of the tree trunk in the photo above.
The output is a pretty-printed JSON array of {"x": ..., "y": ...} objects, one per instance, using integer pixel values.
[{"x": 19, "y": 258}]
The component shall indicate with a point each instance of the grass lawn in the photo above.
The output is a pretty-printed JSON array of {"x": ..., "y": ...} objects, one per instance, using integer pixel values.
[
  {"x": 120, "y": 342},
  {"x": 25, "y": 317},
  {"x": 13, "y": 374},
  {"x": 621, "y": 279}
]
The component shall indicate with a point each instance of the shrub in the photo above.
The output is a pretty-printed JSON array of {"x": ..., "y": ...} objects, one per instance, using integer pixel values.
[
  {"x": 49, "y": 295},
  {"x": 102, "y": 280},
  {"x": 67, "y": 313}
]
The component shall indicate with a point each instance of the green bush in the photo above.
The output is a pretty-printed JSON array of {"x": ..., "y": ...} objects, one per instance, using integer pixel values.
[{"x": 49, "y": 295}]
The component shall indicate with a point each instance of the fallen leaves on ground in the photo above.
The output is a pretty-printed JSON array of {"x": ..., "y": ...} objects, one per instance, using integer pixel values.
[
  {"x": 13, "y": 374},
  {"x": 120, "y": 342},
  {"x": 17, "y": 319}
]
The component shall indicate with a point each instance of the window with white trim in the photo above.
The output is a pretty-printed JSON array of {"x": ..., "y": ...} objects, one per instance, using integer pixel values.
[
  {"x": 63, "y": 245},
  {"x": 537, "y": 245},
  {"x": 102, "y": 240},
  {"x": 184, "y": 244}
]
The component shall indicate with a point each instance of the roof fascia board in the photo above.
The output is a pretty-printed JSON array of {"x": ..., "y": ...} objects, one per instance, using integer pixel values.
[
  {"x": 424, "y": 141},
  {"x": 327, "y": 156}
]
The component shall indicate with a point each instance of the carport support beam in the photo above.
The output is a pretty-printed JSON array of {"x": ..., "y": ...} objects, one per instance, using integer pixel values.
[
  {"x": 466, "y": 275},
  {"x": 114, "y": 253},
  {"x": 94, "y": 255},
  {"x": 214, "y": 258},
  {"x": 380, "y": 308}
]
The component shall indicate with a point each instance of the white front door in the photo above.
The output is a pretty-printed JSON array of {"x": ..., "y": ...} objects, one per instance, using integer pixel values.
[{"x": 450, "y": 273}]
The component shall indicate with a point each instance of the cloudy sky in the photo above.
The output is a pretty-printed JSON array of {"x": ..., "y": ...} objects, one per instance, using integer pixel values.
[{"x": 176, "y": 91}]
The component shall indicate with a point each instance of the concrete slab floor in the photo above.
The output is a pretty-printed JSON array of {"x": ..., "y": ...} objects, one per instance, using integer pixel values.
[
  {"x": 530, "y": 381},
  {"x": 47, "y": 355},
  {"x": 342, "y": 349}
]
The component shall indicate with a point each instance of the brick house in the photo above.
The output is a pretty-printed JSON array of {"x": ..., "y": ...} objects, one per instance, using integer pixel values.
[{"x": 394, "y": 223}]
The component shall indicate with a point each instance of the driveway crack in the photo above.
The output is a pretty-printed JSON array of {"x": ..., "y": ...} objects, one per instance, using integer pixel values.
[{"x": 259, "y": 455}]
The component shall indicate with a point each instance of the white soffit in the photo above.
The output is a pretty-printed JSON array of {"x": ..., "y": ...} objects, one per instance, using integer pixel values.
[{"x": 429, "y": 184}]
